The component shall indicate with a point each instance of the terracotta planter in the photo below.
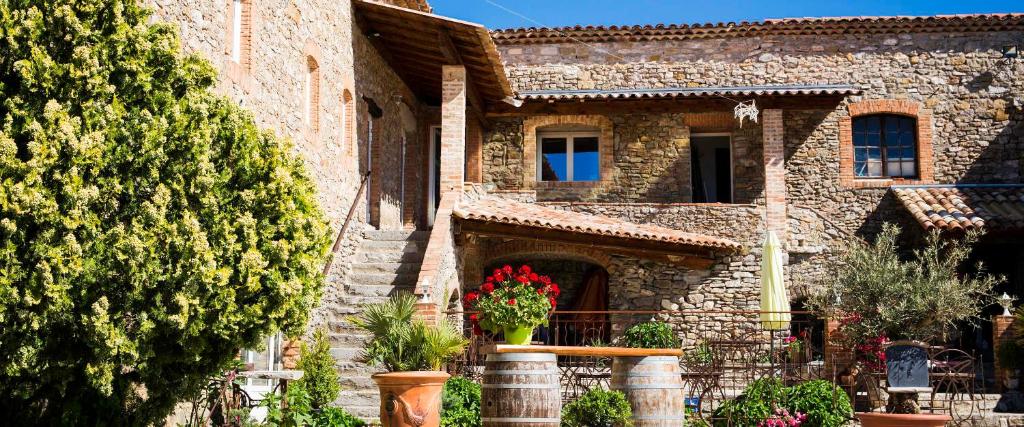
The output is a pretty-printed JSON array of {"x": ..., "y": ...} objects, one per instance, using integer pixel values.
[
  {"x": 871, "y": 419},
  {"x": 410, "y": 399}
]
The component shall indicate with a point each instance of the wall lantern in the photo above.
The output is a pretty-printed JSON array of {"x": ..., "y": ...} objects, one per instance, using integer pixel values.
[{"x": 1006, "y": 302}]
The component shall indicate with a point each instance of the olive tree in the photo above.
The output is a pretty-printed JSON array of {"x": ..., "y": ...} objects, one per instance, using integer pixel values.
[{"x": 148, "y": 228}]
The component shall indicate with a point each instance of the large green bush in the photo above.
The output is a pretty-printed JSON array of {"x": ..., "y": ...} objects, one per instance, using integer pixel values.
[
  {"x": 598, "y": 408},
  {"x": 460, "y": 403},
  {"x": 319, "y": 377},
  {"x": 651, "y": 334},
  {"x": 757, "y": 403},
  {"x": 824, "y": 404},
  {"x": 148, "y": 228}
]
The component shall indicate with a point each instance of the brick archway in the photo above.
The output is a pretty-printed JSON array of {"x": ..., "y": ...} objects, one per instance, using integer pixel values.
[{"x": 524, "y": 248}]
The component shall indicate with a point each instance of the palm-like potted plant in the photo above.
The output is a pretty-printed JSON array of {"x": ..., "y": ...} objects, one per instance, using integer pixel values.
[
  {"x": 412, "y": 352},
  {"x": 892, "y": 306},
  {"x": 513, "y": 302}
]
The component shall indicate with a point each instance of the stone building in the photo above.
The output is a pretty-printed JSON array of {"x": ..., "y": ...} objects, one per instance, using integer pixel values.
[{"x": 442, "y": 149}]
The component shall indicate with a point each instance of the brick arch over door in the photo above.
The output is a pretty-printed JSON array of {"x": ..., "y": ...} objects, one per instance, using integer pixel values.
[
  {"x": 521, "y": 248},
  {"x": 903, "y": 107}
]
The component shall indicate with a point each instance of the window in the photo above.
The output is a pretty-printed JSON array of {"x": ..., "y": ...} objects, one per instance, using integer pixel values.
[
  {"x": 884, "y": 145},
  {"x": 347, "y": 115},
  {"x": 240, "y": 17},
  {"x": 311, "y": 91},
  {"x": 268, "y": 358},
  {"x": 568, "y": 156},
  {"x": 711, "y": 168}
]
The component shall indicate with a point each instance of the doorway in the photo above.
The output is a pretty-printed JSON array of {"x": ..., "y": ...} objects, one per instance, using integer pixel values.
[
  {"x": 711, "y": 168},
  {"x": 434, "y": 184}
]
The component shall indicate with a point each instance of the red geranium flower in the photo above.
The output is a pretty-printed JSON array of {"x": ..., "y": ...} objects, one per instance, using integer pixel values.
[
  {"x": 487, "y": 287},
  {"x": 545, "y": 280},
  {"x": 522, "y": 279},
  {"x": 477, "y": 330},
  {"x": 496, "y": 272},
  {"x": 507, "y": 269},
  {"x": 472, "y": 296},
  {"x": 533, "y": 277},
  {"x": 525, "y": 269},
  {"x": 489, "y": 279},
  {"x": 553, "y": 303},
  {"x": 541, "y": 291},
  {"x": 498, "y": 277},
  {"x": 512, "y": 301},
  {"x": 553, "y": 288},
  {"x": 473, "y": 317}
]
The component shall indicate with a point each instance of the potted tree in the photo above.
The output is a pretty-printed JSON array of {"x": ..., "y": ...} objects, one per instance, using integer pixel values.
[
  {"x": 412, "y": 352},
  {"x": 892, "y": 306},
  {"x": 513, "y": 302}
]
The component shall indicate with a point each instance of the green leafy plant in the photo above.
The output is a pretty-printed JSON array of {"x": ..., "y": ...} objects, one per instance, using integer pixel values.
[
  {"x": 824, "y": 404},
  {"x": 700, "y": 354},
  {"x": 335, "y": 417},
  {"x": 651, "y": 334},
  {"x": 297, "y": 412},
  {"x": 400, "y": 343},
  {"x": 319, "y": 377},
  {"x": 511, "y": 298},
  {"x": 758, "y": 402},
  {"x": 460, "y": 403},
  {"x": 919, "y": 298},
  {"x": 598, "y": 408},
  {"x": 148, "y": 228}
]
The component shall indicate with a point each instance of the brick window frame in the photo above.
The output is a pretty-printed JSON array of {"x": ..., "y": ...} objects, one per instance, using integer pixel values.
[
  {"x": 347, "y": 139},
  {"x": 239, "y": 70},
  {"x": 606, "y": 141},
  {"x": 902, "y": 107},
  {"x": 311, "y": 94}
]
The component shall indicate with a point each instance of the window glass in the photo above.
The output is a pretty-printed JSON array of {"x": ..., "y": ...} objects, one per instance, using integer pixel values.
[
  {"x": 554, "y": 159},
  {"x": 585, "y": 159},
  {"x": 884, "y": 145}
]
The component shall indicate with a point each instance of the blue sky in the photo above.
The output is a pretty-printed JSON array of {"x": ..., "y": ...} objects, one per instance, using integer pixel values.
[{"x": 619, "y": 12}]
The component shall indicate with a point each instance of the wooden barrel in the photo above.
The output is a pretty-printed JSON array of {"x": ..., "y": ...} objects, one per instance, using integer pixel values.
[
  {"x": 653, "y": 387},
  {"x": 521, "y": 389}
]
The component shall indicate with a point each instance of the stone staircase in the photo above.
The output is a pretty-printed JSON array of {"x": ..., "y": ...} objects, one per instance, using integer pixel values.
[{"x": 385, "y": 262}]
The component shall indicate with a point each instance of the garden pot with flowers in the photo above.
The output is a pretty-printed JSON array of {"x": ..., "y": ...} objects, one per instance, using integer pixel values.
[
  {"x": 512, "y": 302},
  {"x": 889, "y": 306}
]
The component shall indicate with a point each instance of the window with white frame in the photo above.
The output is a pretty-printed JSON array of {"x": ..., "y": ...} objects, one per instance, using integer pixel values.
[
  {"x": 568, "y": 156},
  {"x": 267, "y": 358}
]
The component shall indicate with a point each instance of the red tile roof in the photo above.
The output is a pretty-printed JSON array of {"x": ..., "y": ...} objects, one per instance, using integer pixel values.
[
  {"x": 510, "y": 212},
  {"x": 784, "y": 26},
  {"x": 964, "y": 207},
  {"x": 693, "y": 92}
]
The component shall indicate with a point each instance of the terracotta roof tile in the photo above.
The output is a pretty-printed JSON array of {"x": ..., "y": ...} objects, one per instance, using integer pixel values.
[
  {"x": 784, "y": 26},
  {"x": 693, "y": 92},
  {"x": 964, "y": 207},
  {"x": 504, "y": 211}
]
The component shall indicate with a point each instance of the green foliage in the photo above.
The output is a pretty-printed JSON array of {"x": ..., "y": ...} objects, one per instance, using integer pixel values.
[
  {"x": 701, "y": 354},
  {"x": 400, "y": 343},
  {"x": 513, "y": 298},
  {"x": 651, "y": 334},
  {"x": 919, "y": 298},
  {"x": 297, "y": 412},
  {"x": 335, "y": 417},
  {"x": 757, "y": 403},
  {"x": 319, "y": 377},
  {"x": 148, "y": 228},
  {"x": 1010, "y": 355},
  {"x": 460, "y": 403},
  {"x": 598, "y": 408},
  {"x": 825, "y": 404}
]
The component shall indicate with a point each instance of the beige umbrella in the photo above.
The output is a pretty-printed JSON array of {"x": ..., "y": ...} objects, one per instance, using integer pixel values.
[{"x": 774, "y": 301}]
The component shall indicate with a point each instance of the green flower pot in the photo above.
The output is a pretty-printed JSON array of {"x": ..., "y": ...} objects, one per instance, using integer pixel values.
[{"x": 518, "y": 335}]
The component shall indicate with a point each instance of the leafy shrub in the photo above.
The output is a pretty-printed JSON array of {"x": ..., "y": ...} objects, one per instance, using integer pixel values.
[
  {"x": 751, "y": 407},
  {"x": 319, "y": 377},
  {"x": 402, "y": 344},
  {"x": 824, "y": 404},
  {"x": 598, "y": 408},
  {"x": 148, "y": 228},
  {"x": 460, "y": 403},
  {"x": 651, "y": 335},
  {"x": 335, "y": 417},
  {"x": 297, "y": 413}
]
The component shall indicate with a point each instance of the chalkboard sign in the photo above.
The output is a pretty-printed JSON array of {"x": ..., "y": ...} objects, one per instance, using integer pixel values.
[{"x": 907, "y": 366}]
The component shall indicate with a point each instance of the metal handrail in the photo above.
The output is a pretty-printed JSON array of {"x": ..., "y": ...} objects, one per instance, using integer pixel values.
[{"x": 348, "y": 221}]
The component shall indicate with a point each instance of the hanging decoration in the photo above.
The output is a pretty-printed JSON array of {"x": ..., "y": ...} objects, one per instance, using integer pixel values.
[{"x": 745, "y": 110}]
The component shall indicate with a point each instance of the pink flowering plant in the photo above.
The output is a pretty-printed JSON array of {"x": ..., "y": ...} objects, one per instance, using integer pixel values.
[
  {"x": 511, "y": 298},
  {"x": 782, "y": 418}
]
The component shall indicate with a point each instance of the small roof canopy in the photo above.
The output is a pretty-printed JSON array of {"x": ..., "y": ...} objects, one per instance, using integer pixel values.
[
  {"x": 417, "y": 44},
  {"x": 958, "y": 208}
]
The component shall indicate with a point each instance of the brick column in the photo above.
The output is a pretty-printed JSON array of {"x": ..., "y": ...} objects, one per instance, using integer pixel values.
[
  {"x": 453, "y": 128},
  {"x": 474, "y": 152},
  {"x": 290, "y": 351},
  {"x": 774, "y": 172},
  {"x": 837, "y": 357},
  {"x": 1002, "y": 331}
]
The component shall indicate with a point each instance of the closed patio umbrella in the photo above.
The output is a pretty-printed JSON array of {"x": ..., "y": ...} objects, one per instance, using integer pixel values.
[{"x": 774, "y": 301}]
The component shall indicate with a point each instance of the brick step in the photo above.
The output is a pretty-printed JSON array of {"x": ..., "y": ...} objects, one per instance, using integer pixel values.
[
  {"x": 386, "y": 267},
  {"x": 396, "y": 235},
  {"x": 390, "y": 256},
  {"x": 379, "y": 246},
  {"x": 359, "y": 281}
]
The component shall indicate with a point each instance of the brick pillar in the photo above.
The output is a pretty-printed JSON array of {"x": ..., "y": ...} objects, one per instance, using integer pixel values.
[
  {"x": 774, "y": 172},
  {"x": 837, "y": 357},
  {"x": 428, "y": 312},
  {"x": 453, "y": 128},
  {"x": 1002, "y": 331},
  {"x": 290, "y": 351}
]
